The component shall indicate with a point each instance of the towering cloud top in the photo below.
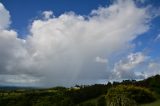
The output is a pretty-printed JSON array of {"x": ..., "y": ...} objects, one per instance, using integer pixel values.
[{"x": 4, "y": 17}]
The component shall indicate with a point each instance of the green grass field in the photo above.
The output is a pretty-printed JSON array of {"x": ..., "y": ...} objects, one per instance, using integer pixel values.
[{"x": 156, "y": 103}]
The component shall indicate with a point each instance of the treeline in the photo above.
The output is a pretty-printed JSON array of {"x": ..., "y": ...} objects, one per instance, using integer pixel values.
[
  {"x": 88, "y": 92},
  {"x": 110, "y": 94}
]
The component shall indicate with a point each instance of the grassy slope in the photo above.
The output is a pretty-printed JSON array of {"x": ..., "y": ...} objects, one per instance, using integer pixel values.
[
  {"x": 94, "y": 101},
  {"x": 156, "y": 103}
]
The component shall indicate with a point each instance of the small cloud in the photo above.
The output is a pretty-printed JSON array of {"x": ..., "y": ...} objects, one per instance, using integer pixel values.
[
  {"x": 101, "y": 60},
  {"x": 47, "y": 14},
  {"x": 153, "y": 68},
  {"x": 157, "y": 38},
  {"x": 124, "y": 68}
]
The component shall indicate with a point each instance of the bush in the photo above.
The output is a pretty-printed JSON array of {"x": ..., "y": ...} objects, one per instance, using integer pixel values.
[
  {"x": 123, "y": 95},
  {"x": 120, "y": 100}
]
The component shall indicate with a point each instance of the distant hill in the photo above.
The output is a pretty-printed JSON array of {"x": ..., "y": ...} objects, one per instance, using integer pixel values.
[{"x": 2, "y": 87}]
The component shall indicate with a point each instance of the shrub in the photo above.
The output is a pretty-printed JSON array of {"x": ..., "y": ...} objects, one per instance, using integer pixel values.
[{"x": 123, "y": 95}]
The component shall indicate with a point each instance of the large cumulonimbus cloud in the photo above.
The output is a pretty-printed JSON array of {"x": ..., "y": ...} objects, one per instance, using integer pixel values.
[{"x": 70, "y": 48}]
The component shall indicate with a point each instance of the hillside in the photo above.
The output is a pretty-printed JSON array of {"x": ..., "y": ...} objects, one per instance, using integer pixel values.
[{"x": 129, "y": 91}]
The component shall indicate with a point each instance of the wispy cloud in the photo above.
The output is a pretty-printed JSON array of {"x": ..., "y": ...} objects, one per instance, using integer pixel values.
[{"x": 157, "y": 38}]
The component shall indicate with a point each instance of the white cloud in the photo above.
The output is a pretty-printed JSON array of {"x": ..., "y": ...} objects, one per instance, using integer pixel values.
[
  {"x": 153, "y": 68},
  {"x": 125, "y": 67},
  {"x": 47, "y": 14},
  {"x": 4, "y": 17},
  {"x": 60, "y": 50},
  {"x": 20, "y": 79},
  {"x": 101, "y": 60}
]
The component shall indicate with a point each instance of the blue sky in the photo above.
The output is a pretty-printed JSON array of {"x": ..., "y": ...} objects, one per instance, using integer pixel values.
[{"x": 111, "y": 43}]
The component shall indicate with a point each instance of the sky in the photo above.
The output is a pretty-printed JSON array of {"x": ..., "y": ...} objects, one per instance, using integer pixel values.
[{"x": 68, "y": 42}]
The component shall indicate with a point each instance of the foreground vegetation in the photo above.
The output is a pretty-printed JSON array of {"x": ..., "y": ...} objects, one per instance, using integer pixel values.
[
  {"x": 126, "y": 93},
  {"x": 156, "y": 103}
]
